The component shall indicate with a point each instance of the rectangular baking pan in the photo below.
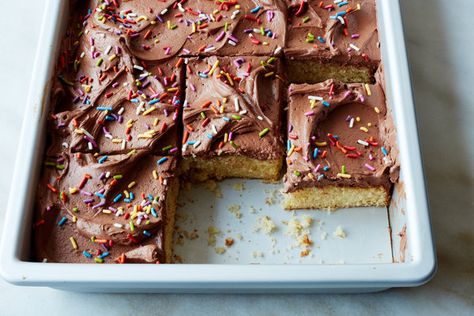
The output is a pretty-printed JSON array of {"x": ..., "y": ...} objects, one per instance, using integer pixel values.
[{"x": 394, "y": 249}]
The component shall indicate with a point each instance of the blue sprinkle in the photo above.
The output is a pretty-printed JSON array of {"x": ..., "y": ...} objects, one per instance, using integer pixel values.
[
  {"x": 322, "y": 40},
  {"x": 117, "y": 198},
  {"x": 109, "y": 118},
  {"x": 315, "y": 153},
  {"x": 326, "y": 168},
  {"x": 103, "y": 255},
  {"x": 384, "y": 151},
  {"x": 226, "y": 119},
  {"x": 162, "y": 160},
  {"x": 202, "y": 75},
  {"x": 103, "y": 108},
  {"x": 127, "y": 200},
  {"x": 100, "y": 195},
  {"x": 341, "y": 4},
  {"x": 147, "y": 233},
  {"x": 102, "y": 159},
  {"x": 269, "y": 34},
  {"x": 288, "y": 145},
  {"x": 325, "y": 103},
  {"x": 62, "y": 221},
  {"x": 342, "y": 13},
  {"x": 86, "y": 254},
  {"x": 132, "y": 196},
  {"x": 150, "y": 197},
  {"x": 209, "y": 136},
  {"x": 153, "y": 101},
  {"x": 191, "y": 142},
  {"x": 153, "y": 212},
  {"x": 320, "y": 177},
  {"x": 256, "y": 9},
  {"x": 134, "y": 100}
]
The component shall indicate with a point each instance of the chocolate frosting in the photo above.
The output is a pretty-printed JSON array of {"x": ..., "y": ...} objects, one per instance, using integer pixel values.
[
  {"x": 326, "y": 31},
  {"x": 339, "y": 134},
  {"x": 233, "y": 107},
  {"x": 156, "y": 30}
]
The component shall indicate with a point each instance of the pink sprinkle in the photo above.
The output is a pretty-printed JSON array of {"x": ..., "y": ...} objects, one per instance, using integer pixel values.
[
  {"x": 310, "y": 113},
  {"x": 193, "y": 87},
  {"x": 371, "y": 157},
  {"x": 355, "y": 35},
  {"x": 317, "y": 168},
  {"x": 369, "y": 167}
]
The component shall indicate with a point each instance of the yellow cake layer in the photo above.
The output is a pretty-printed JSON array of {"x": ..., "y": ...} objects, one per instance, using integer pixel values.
[
  {"x": 307, "y": 71},
  {"x": 171, "y": 198},
  {"x": 333, "y": 197},
  {"x": 221, "y": 167}
]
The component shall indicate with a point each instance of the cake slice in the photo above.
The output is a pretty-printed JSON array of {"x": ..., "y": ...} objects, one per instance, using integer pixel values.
[
  {"x": 341, "y": 147},
  {"x": 332, "y": 40},
  {"x": 232, "y": 118},
  {"x": 117, "y": 208},
  {"x": 156, "y": 30}
]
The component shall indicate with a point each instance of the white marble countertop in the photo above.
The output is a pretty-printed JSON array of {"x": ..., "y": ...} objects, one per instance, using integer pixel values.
[{"x": 442, "y": 67}]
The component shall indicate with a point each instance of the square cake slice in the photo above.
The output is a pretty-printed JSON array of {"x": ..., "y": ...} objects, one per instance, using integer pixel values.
[
  {"x": 341, "y": 147},
  {"x": 332, "y": 40},
  {"x": 106, "y": 209},
  {"x": 232, "y": 118},
  {"x": 106, "y": 101}
]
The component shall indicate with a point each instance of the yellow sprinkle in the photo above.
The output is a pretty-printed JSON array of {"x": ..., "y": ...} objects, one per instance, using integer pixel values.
[
  {"x": 226, "y": 137},
  {"x": 107, "y": 211},
  {"x": 131, "y": 184},
  {"x": 125, "y": 192},
  {"x": 155, "y": 174},
  {"x": 344, "y": 175},
  {"x": 367, "y": 89},
  {"x": 149, "y": 110},
  {"x": 321, "y": 144},
  {"x": 155, "y": 122},
  {"x": 224, "y": 100},
  {"x": 292, "y": 149},
  {"x": 116, "y": 140},
  {"x": 194, "y": 27},
  {"x": 172, "y": 89},
  {"x": 269, "y": 74},
  {"x": 73, "y": 242},
  {"x": 369, "y": 124},
  {"x": 132, "y": 152},
  {"x": 364, "y": 129},
  {"x": 112, "y": 57},
  {"x": 73, "y": 190},
  {"x": 74, "y": 218},
  {"x": 142, "y": 18},
  {"x": 377, "y": 110},
  {"x": 358, "y": 119},
  {"x": 214, "y": 67}
]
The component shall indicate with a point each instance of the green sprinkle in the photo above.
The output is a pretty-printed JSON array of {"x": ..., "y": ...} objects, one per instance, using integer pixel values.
[
  {"x": 98, "y": 260},
  {"x": 60, "y": 167},
  {"x": 305, "y": 19},
  {"x": 75, "y": 209},
  {"x": 297, "y": 173},
  {"x": 343, "y": 169},
  {"x": 263, "y": 132},
  {"x": 99, "y": 62},
  {"x": 309, "y": 38},
  {"x": 233, "y": 144},
  {"x": 132, "y": 227},
  {"x": 118, "y": 177},
  {"x": 236, "y": 117},
  {"x": 166, "y": 148},
  {"x": 226, "y": 26},
  {"x": 203, "y": 115}
]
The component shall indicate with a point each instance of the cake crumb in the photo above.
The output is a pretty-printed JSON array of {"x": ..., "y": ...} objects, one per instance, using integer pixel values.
[
  {"x": 305, "y": 253},
  {"x": 235, "y": 210},
  {"x": 212, "y": 231},
  {"x": 324, "y": 235},
  {"x": 238, "y": 186},
  {"x": 212, "y": 186},
  {"x": 339, "y": 232},
  {"x": 220, "y": 250},
  {"x": 229, "y": 241},
  {"x": 266, "y": 225},
  {"x": 257, "y": 254}
]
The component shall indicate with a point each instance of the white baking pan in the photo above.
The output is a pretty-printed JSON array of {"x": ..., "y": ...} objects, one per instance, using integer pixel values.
[{"x": 382, "y": 247}]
